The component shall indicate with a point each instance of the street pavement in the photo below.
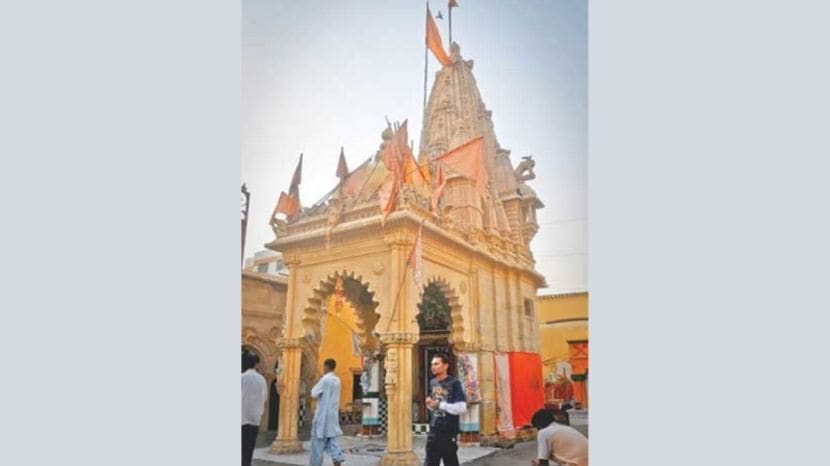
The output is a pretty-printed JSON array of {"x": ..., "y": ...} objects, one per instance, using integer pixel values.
[{"x": 367, "y": 452}]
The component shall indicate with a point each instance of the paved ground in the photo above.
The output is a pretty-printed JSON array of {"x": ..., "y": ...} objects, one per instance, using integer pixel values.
[{"x": 364, "y": 452}]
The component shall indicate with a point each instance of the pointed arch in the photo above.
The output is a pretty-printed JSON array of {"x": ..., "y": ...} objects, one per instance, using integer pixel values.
[
  {"x": 456, "y": 315},
  {"x": 360, "y": 294}
]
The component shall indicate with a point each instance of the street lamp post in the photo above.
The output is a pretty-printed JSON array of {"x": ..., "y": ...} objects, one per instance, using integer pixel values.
[{"x": 246, "y": 202}]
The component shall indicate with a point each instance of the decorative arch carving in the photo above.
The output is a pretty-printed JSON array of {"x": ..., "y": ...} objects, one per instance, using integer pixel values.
[
  {"x": 456, "y": 316},
  {"x": 360, "y": 294},
  {"x": 266, "y": 359},
  {"x": 252, "y": 339}
]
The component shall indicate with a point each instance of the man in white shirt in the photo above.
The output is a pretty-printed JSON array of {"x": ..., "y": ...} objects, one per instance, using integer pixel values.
[
  {"x": 253, "y": 400},
  {"x": 558, "y": 443},
  {"x": 446, "y": 402},
  {"x": 326, "y": 425}
]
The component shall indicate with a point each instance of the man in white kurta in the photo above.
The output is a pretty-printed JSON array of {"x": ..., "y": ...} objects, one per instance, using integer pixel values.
[
  {"x": 253, "y": 399},
  {"x": 326, "y": 425}
]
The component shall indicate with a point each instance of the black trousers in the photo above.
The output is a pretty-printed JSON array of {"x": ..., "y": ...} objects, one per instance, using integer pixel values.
[
  {"x": 441, "y": 447},
  {"x": 249, "y": 433}
]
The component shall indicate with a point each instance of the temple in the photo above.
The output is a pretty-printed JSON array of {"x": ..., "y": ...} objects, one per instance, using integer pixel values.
[{"x": 423, "y": 260}]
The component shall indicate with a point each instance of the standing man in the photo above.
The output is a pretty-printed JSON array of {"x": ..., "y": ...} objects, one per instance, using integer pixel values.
[
  {"x": 253, "y": 400},
  {"x": 446, "y": 402},
  {"x": 326, "y": 424},
  {"x": 558, "y": 443}
]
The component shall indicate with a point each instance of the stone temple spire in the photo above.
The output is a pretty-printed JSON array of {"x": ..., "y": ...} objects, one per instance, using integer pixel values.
[{"x": 454, "y": 115}]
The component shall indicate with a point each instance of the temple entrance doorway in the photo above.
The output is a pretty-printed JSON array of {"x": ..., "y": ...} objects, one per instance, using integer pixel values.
[
  {"x": 435, "y": 324},
  {"x": 339, "y": 323}
]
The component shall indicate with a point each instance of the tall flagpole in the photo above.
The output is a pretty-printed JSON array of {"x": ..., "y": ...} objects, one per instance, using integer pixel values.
[
  {"x": 426, "y": 61},
  {"x": 449, "y": 42}
]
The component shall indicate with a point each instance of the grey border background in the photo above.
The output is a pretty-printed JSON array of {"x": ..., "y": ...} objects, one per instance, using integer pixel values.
[
  {"x": 708, "y": 232},
  {"x": 120, "y": 264}
]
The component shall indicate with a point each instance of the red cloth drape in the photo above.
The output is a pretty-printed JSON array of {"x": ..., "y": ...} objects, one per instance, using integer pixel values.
[{"x": 527, "y": 392}]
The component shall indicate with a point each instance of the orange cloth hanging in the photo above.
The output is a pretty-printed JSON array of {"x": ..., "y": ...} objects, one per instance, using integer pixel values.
[{"x": 527, "y": 392}]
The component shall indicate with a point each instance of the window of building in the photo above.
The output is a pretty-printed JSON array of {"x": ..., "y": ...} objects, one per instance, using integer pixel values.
[
  {"x": 528, "y": 307},
  {"x": 262, "y": 268}
]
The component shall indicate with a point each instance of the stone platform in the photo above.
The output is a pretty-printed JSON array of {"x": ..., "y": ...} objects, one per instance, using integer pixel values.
[{"x": 368, "y": 451}]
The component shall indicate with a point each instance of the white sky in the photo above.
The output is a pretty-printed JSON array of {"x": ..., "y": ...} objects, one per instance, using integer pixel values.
[{"x": 318, "y": 75}]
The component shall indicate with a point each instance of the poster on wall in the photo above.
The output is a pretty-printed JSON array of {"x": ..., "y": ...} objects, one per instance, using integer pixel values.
[{"x": 468, "y": 375}]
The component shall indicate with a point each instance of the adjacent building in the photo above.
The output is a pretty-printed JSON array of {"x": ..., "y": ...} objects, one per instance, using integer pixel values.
[{"x": 563, "y": 335}]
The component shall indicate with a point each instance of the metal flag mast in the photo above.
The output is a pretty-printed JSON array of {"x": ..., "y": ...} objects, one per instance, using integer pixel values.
[
  {"x": 450, "y": 5},
  {"x": 426, "y": 59}
]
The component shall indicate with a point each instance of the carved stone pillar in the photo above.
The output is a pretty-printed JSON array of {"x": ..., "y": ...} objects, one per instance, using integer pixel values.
[
  {"x": 487, "y": 381},
  {"x": 398, "y": 384},
  {"x": 288, "y": 382},
  {"x": 398, "y": 335}
]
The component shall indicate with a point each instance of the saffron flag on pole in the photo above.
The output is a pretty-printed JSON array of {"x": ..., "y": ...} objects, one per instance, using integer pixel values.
[
  {"x": 286, "y": 205},
  {"x": 355, "y": 180},
  {"x": 294, "y": 189},
  {"x": 415, "y": 175},
  {"x": 394, "y": 159},
  {"x": 433, "y": 41},
  {"x": 399, "y": 141},
  {"x": 393, "y": 151},
  {"x": 388, "y": 194},
  {"x": 468, "y": 161},
  {"x": 453, "y": 4}
]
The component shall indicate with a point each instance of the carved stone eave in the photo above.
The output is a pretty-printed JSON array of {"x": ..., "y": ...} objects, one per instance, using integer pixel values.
[
  {"x": 267, "y": 278},
  {"x": 529, "y": 231},
  {"x": 511, "y": 196},
  {"x": 519, "y": 262}
]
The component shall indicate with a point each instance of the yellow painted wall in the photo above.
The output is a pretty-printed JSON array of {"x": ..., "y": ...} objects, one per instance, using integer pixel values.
[
  {"x": 554, "y": 336},
  {"x": 337, "y": 344}
]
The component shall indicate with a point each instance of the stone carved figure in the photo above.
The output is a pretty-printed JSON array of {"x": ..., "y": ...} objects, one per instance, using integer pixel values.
[
  {"x": 335, "y": 215},
  {"x": 386, "y": 136},
  {"x": 279, "y": 227},
  {"x": 524, "y": 170}
]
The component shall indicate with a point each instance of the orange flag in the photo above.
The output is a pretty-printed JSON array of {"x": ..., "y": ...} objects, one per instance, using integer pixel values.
[
  {"x": 453, "y": 3},
  {"x": 394, "y": 154},
  {"x": 415, "y": 175},
  {"x": 387, "y": 195},
  {"x": 401, "y": 135},
  {"x": 294, "y": 189},
  {"x": 468, "y": 161},
  {"x": 434, "y": 41},
  {"x": 391, "y": 156},
  {"x": 286, "y": 205},
  {"x": 355, "y": 181},
  {"x": 399, "y": 141}
]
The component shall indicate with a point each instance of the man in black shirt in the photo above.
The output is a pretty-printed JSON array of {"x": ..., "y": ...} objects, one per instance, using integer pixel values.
[{"x": 446, "y": 401}]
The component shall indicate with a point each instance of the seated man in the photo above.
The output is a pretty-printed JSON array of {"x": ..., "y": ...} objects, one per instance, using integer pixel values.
[{"x": 558, "y": 443}]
